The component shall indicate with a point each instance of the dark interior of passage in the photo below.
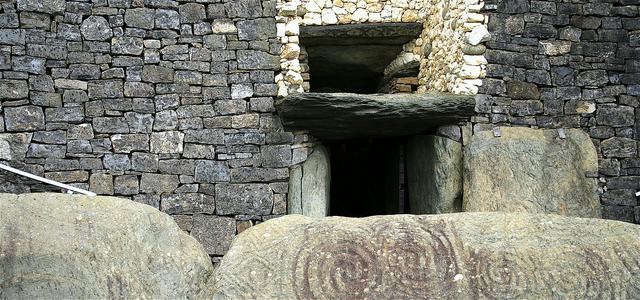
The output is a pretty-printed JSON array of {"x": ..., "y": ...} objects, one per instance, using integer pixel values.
[{"x": 368, "y": 178}]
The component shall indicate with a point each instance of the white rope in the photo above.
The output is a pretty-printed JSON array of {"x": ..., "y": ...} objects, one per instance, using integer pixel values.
[{"x": 48, "y": 181}]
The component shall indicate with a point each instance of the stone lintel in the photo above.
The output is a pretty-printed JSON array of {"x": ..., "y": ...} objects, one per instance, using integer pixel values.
[
  {"x": 336, "y": 116},
  {"x": 358, "y": 34}
]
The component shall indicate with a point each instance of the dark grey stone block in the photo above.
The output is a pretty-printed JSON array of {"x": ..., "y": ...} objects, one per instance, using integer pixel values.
[
  {"x": 249, "y": 199},
  {"x": 208, "y": 171},
  {"x": 24, "y": 118}
]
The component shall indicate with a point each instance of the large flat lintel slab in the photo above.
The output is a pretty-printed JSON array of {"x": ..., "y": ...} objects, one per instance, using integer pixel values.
[
  {"x": 337, "y": 116},
  {"x": 359, "y": 34}
]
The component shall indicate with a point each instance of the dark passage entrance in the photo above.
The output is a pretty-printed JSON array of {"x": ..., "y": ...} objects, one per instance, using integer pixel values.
[{"x": 368, "y": 178}]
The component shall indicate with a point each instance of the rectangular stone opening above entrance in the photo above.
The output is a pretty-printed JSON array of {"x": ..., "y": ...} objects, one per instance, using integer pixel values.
[{"x": 358, "y": 58}]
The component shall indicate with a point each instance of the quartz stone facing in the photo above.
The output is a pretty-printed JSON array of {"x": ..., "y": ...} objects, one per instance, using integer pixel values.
[
  {"x": 168, "y": 103},
  {"x": 554, "y": 64}
]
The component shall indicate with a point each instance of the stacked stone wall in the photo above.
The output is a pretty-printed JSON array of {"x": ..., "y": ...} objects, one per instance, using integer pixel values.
[
  {"x": 555, "y": 64},
  {"x": 169, "y": 103}
]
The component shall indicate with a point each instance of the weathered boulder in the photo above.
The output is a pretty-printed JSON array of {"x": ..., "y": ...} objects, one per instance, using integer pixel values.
[
  {"x": 434, "y": 173},
  {"x": 531, "y": 170},
  {"x": 61, "y": 246},
  {"x": 309, "y": 185},
  {"x": 447, "y": 256}
]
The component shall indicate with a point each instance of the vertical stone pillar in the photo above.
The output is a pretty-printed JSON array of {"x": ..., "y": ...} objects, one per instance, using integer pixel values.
[
  {"x": 309, "y": 185},
  {"x": 434, "y": 173}
]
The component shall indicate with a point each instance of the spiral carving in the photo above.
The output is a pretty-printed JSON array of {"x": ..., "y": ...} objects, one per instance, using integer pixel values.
[
  {"x": 419, "y": 259},
  {"x": 342, "y": 267},
  {"x": 586, "y": 277},
  {"x": 254, "y": 280},
  {"x": 502, "y": 276}
]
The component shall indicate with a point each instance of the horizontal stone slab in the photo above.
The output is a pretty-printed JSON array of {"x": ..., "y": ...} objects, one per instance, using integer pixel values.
[
  {"x": 450, "y": 256},
  {"x": 358, "y": 34},
  {"x": 335, "y": 116}
]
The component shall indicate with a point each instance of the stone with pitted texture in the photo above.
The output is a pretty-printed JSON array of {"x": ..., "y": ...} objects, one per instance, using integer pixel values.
[
  {"x": 309, "y": 189},
  {"x": 450, "y": 256},
  {"x": 531, "y": 170},
  {"x": 61, "y": 246},
  {"x": 96, "y": 28},
  {"x": 434, "y": 174}
]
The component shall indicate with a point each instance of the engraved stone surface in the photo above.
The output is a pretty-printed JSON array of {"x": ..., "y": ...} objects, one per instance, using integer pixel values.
[
  {"x": 350, "y": 34},
  {"x": 450, "y": 256},
  {"x": 531, "y": 170}
]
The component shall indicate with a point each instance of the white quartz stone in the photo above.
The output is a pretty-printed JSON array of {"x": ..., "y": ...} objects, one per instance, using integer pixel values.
[
  {"x": 375, "y": 18},
  {"x": 360, "y": 15},
  {"x": 328, "y": 16},
  {"x": 478, "y": 35},
  {"x": 475, "y": 60},
  {"x": 290, "y": 51},
  {"x": 312, "y": 19},
  {"x": 292, "y": 27},
  {"x": 280, "y": 29},
  {"x": 474, "y": 17},
  {"x": 293, "y": 77},
  {"x": 311, "y": 6}
]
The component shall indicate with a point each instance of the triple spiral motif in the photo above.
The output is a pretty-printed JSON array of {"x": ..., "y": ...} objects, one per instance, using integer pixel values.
[{"x": 422, "y": 259}]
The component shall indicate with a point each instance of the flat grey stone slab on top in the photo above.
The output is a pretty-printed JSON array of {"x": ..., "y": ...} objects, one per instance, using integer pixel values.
[
  {"x": 69, "y": 247},
  {"x": 531, "y": 170},
  {"x": 358, "y": 34},
  {"x": 335, "y": 116},
  {"x": 446, "y": 256}
]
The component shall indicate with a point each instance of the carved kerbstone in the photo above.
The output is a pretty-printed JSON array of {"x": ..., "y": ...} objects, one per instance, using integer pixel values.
[{"x": 450, "y": 256}]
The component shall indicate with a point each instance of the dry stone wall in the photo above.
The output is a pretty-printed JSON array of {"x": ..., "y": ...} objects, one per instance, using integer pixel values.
[
  {"x": 169, "y": 103},
  {"x": 553, "y": 64}
]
